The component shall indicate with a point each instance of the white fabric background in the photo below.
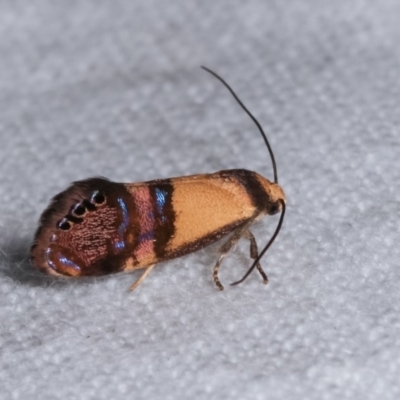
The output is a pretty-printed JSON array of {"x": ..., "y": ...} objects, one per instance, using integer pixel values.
[{"x": 114, "y": 88}]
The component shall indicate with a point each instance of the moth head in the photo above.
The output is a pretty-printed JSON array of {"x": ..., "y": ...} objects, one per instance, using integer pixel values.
[
  {"x": 85, "y": 230},
  {"x": 277, "y": 199}
]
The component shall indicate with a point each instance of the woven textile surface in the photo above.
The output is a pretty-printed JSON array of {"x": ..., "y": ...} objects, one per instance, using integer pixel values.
[{"x": 114, "y": 88}]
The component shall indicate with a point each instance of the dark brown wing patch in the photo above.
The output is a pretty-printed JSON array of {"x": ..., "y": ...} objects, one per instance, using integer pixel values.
[{"x": 86, "y": 230}]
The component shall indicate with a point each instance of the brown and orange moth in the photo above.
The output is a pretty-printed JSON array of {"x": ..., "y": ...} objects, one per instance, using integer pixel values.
[{"x": 98, "y": 227}]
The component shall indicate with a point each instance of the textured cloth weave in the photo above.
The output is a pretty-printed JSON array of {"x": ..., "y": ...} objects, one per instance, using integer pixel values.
[{"x": 113, "y": 88}]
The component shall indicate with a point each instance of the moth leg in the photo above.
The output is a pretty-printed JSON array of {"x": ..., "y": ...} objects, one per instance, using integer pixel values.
[
  {"x": 142, "y": 277},
  {"x": 225, "y": 248},
  {"x": 254, "y": 253}
]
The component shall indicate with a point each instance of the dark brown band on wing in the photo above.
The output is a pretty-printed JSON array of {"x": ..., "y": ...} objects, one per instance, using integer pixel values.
[
  {"x": 249, "y": 181},
  {"x": 164, "y": 216}
]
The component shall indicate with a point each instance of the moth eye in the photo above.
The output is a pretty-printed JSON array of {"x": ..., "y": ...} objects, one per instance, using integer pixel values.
[
  {"x": 79, "y": 210},
  {"x": 274, "y": 209},
  {"x": 64, "y": 224},
  {"x": 98, "y": 198}
]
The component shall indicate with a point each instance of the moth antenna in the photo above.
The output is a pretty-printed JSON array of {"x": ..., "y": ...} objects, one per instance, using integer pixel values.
[
  {"x": 252, "y": 117},
  {"x": 257, "y": 260}
]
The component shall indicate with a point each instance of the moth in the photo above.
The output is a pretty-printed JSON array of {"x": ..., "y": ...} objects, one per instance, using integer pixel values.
[{"x": 99, "y": 227}]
